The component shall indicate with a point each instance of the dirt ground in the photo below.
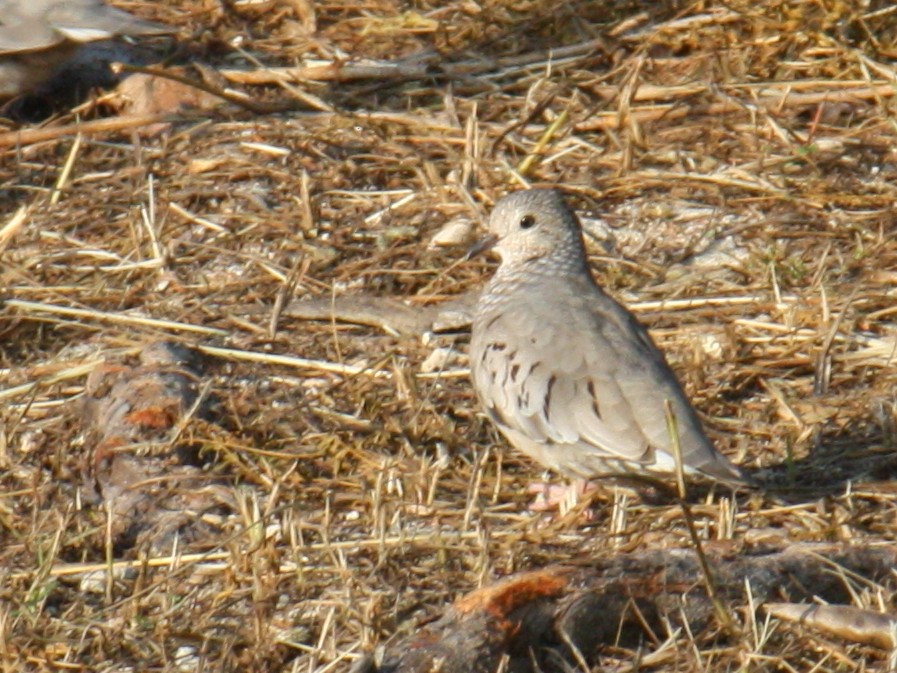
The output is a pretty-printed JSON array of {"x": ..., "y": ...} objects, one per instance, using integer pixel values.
[{"x": 308, "y": 489}]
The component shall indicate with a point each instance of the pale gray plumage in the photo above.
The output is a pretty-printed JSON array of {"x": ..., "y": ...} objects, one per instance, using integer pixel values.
[
  {"x": 37, "y": 36},
  {"x": 568, "y": 375}
]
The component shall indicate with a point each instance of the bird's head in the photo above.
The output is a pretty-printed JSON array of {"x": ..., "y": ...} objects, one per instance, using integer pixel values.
[{"x": 533, "y": 224}]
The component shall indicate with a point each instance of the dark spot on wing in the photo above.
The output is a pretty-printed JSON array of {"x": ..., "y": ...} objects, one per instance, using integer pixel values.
[
  {"x": 533, "y": 368},
  {"x": 546, "y": 406},
  {"x": 591, "y": 388},
  {"x": 493, "y": 320},
  {"x": 515, "y": 370}
]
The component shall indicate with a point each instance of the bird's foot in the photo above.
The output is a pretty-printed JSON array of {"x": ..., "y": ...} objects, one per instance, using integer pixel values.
[{"x": 559, "y": 497}]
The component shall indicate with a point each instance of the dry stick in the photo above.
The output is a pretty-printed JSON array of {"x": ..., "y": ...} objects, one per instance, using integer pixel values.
[
  {"x": 701, "y": 302},
  {"x": 302, "y": 363},
  {"x": 783, "y": 92},
  {"x": 611, "y": 120},
  {"x": 64, "y": 375},
  {"x": 398, "y": 70},
  {"x": 824, "y": 361},
  {"x": 848, "y": 622},
  {"x": 178, "y": 430},
  {"x": 540, "y": 107},
  {"x": 237, "y": 99},
  {"x": 721, "y": 613},
  {"x": 574, "y": 650},
  {"x": 30, "y": 136},
  {"x": 311, "y": 101},
  {"x": 283, "y": 292},
  {"x": 718, "y": 607},
  {"x": 11, "y": 228},
  {"x": 673, "y": 432},
  {"x": 117, "y": 318},
  {"x": 190, "y": 560},
  {"x": 109, "y": 549},
  {"x": 63, "y": 178},
  {"x": 540, "y": 145},
  {"x": 724, "y": 180}
]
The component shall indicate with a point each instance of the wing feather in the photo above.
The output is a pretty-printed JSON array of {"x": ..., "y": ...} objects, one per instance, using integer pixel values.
[{"x": 601, "y": 394}]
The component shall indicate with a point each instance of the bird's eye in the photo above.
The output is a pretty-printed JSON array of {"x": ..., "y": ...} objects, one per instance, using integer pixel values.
[{"x": 527, "y": 221}]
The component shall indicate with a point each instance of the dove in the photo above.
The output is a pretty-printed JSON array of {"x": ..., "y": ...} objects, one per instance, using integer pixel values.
[
  {"x": 566, "y": 373},
  {"x": 38, "y": 36}
]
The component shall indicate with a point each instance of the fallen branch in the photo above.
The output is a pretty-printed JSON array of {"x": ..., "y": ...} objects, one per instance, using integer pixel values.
[{"x": 551, "y": 619}]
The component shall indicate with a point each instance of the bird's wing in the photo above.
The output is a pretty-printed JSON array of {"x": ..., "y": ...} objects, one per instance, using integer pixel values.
[
  {"x": 39, "y": 24},
  {"x": 591, "y": 379},
  {"x": 540, "y": 380},
  {"x": 651, "y": 389},
  {"x": 21, "y": 32},
  {"x": 87, "y": 20},
  {"x": 648, "y": 385}
]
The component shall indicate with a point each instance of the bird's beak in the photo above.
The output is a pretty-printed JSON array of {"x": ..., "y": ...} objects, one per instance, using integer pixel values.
[{"x": 485, "y": 244}]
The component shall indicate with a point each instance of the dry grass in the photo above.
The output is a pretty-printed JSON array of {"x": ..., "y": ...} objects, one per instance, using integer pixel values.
[{"x": 738, "y": 161}]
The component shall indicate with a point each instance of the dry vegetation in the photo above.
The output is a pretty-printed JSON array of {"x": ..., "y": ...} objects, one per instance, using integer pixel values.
[{"x": 736, "y": 165}]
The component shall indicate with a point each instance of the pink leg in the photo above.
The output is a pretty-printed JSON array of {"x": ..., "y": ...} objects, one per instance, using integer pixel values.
[{"x": 550, "y": 497}]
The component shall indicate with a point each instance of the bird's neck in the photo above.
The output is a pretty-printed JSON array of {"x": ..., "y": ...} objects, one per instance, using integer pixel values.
[{"x": 540, "y": 266}]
